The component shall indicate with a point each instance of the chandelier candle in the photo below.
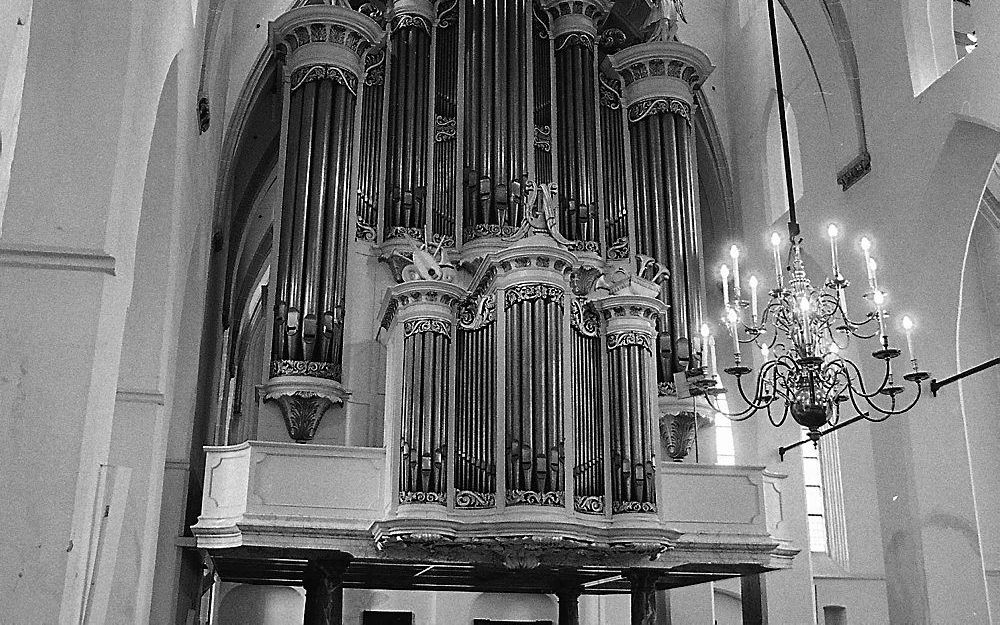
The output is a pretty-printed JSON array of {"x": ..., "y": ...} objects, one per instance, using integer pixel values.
[
  {"x": 724, "y": 272},
  {"x": 734, "y": 253},
  {"x": 775, "y": 244},
  {"x": 706, "y": 333},
  {"x": 715, "y": 361},
  {"x": 753, "y": 298},
  {"x": 833, "y": 232}
]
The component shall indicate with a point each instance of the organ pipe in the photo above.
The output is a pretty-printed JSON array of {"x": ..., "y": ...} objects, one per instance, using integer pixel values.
[
  {"x": 408, "y": 137},
  {"x": 659, "y": 78}
]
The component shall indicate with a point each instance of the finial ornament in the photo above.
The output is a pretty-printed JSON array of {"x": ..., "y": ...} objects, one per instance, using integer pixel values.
[{"x": 664, "y": 20}]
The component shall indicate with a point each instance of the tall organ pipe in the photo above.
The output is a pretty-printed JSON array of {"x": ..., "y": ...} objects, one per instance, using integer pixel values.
[
  {"x": 410, "y": 93},
  {"x": 659, "y": 78},
  {"x": 324, "y": 66},
  {"x": 497, "y": 115}
]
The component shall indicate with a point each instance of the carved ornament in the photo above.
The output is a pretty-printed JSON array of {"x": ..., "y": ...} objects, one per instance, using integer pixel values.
[
  {"x": 630, "y": 338},
  {"x": 426, "y": 324},
  {"x": 528, "y": 292}
]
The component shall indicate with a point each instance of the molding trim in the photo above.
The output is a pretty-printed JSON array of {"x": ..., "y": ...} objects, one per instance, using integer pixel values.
[
  {"x": 57, "y": 258},
  {"x": 139, "y": 396}
]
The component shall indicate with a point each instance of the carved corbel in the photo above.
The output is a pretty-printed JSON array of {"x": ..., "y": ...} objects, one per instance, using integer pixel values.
[{"x": 303, "y": 401}]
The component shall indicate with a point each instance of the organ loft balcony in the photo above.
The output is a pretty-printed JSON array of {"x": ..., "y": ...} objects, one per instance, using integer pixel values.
[
  {"x": 523, "y": 423},
  {"x": 459, "y": 356}
]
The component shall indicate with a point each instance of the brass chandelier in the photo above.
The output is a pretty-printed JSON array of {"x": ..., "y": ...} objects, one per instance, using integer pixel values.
[{"x": 802, "y": 331}]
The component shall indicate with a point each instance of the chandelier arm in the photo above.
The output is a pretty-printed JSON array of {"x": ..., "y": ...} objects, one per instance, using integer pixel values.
[
  {"x": 781, "y": 421},
  {"x": 743, "y": 415},
  {"x": 893, "y": 410},
  {"x": 861, "y": 381},
  {"x": 743, "y": 395}
]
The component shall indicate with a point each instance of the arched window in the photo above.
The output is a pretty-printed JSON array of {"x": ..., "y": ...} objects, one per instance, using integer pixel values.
[
  {"x": 825, "y": 499},
  {"x": 775, "y": 171}
]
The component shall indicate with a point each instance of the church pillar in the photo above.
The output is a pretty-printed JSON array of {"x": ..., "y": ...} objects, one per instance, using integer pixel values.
[
  {"x": 574, "y": 30},
  {"x": 323, "y": 582},
  {"x": 320, "y": 47},
  {"x": 659, "y": 80},
  {"x": 408, "y": 139}
]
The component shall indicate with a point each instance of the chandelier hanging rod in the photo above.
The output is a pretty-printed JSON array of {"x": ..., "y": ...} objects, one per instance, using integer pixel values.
[
  {"x": 793, "y": 224},
  {"x": 783, "y": 450}
]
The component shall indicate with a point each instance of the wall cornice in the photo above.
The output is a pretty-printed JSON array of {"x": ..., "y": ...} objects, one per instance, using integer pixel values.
[{"x": 57, "y": 258}]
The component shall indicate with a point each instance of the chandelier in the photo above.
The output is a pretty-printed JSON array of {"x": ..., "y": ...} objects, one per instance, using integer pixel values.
[{"x": 803, "y": 332}]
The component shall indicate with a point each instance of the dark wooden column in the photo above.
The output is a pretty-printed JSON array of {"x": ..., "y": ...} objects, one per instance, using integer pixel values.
[
  {"x": 643, "y": 596},
  {"x": 753, "y": 597},
  {"x": 323, "y": 582},
  {"x": 569, "y": 606}
]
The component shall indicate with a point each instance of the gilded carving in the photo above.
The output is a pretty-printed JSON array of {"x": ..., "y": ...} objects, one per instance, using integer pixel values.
[
  {"x": 323, "y": 72},
  {"x": 426, "y": 324},
  {"x": 630, "y": 338},
  {"x": 589, "y": 504},
  {"x": 533, "y": 498},
  {"x": 471, "y": 500},
  {"x": 408, "y": 497},
  {"x": 626, "y": 507},
  {"x": 305, "y": 367},
  {"x": 528, "y": 292},
  {"x": 656, "y": 106}
]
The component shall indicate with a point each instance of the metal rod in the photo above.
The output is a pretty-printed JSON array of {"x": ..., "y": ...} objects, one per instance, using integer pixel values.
[
  {"x": 936, "y": 385},
  {"x": 793, "y": 224},
  {"x": 783, "y": 450}
]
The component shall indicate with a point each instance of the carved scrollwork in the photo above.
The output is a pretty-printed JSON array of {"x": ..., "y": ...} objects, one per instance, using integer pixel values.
[
  {"x": 583, "y": 40},
  {"x": 611, "y": 95},
  {"x": 305, "y": 367},
  {"x": 481, "y": 231},
  {"x": 611, "y": 40},
  {"x": 543, "y": 138},
  {"x": 363, "y": 230},
  {"x": 445, "y": 128},
  {"x": 656, "y": 106},
  {"x": 630, "y": 338},
  {"x": 619, "y": 249},
  {"x": 324, "y": 72},
  {"x": 625, "y": 507},
  {"x": 677, "y": 431},
  {"x": 402, "y": 232},
  {"x": 585, "y": 246},
  {"x": 475, "y": 314},
  {"x": 533, "y": 498},
  {"x": 471, "y": 500},
  {"x": 446, "y": 15},
  {"x": 407, "y": 497},
  {"x": 582, "y": 320},
  {"x": 589, "y": 504},
  {"x": 411, "y": 21},
  {"x": 527, "y": 292},
  {"x": 426, "y": 324}
]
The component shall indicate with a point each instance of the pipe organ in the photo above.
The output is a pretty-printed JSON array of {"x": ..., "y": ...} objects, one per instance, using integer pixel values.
[{"x": 526, "y": 170}]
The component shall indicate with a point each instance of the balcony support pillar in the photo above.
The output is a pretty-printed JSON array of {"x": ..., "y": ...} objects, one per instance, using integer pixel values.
[
  {"x": 569, "y": 606},
  {"x": 323, "y": 582},
  {"x": 643, "y": 592}
]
